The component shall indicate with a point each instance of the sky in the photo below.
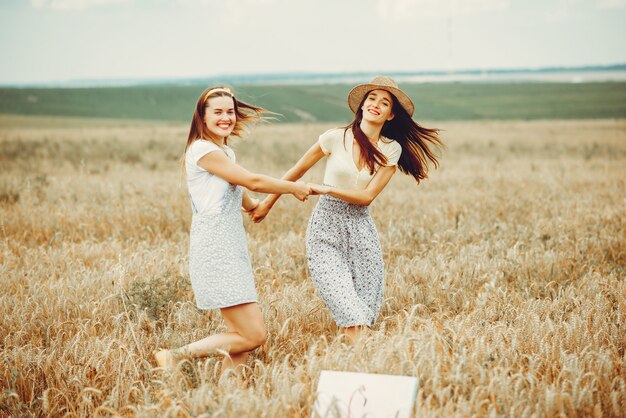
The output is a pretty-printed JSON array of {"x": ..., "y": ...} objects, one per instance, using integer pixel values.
[{"x": 67, "y": 40}]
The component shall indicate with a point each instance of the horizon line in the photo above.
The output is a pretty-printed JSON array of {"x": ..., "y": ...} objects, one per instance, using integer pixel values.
[{"x": 273, "y": 77}]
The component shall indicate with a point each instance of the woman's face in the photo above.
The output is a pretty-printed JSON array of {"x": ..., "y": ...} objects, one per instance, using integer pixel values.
[
  {"x": 377, "y": 107},
  {"x": 219, "y": 116}
]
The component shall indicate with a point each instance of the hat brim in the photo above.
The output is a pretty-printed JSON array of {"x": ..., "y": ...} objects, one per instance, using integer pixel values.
[{"x": 356, "y": 95}]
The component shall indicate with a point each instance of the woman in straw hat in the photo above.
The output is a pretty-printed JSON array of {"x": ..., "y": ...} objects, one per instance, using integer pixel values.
[
  {"x": 219, "y": 264},
  {"x": 343, "y": 247}
]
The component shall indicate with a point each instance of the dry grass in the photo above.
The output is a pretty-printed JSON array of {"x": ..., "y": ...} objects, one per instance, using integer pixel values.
[{"x": 505, "y": 289}]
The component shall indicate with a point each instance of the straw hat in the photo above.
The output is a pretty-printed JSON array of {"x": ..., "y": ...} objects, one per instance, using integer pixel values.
[{"x": 356, "y": 95}]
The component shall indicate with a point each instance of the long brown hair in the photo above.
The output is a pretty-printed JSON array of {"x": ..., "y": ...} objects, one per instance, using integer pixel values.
[
  {"x": 245, "y": 113},
  {"x": 415, "y": 140}
]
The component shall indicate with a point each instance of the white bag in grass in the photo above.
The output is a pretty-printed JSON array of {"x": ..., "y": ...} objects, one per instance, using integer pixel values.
[{"x": 352, "y": 395}]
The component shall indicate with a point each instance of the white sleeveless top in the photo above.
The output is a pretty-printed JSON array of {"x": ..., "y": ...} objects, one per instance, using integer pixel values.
[
  {"x": 341, "y": 171},
  {"x": 206, "y": 189}
]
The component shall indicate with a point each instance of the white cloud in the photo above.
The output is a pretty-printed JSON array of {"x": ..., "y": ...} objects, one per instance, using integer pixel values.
[
  {"x": 241, "y": 4},
  {"x": 611, "y": 4},
  {"x": 72, "y": 4},
  {"x": 236, "y": 12},
  {"x": 404, "y": 10}
]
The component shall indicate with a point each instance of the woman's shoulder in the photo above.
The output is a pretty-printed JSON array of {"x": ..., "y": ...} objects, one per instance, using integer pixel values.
[
  {"x": 333, "y": 133},
  {"x": 388, "y": 145},
  {"x": 330, "y": 138},
  {"x": 203, "y": 144},
  {"x": 201, "y": 147}
]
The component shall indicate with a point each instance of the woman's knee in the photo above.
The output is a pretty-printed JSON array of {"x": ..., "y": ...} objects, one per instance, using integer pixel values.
[
  {"x": 247, "y": 321},
  {"x": 256, "y": 337}
]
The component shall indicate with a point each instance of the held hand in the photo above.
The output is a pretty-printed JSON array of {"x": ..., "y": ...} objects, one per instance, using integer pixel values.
[
  {"x": 254, "y": 204},
  {"x": 260, "y": 212},
  {"x": 302, "y": 191},
  {"x": 319, "y": 189}
]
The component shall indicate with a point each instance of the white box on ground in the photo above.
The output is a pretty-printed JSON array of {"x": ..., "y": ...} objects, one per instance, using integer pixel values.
[{"x": 354, "y": 395}]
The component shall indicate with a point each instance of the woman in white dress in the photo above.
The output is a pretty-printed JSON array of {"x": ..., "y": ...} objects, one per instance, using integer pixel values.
[
  {"x": 219, "y": 264},
  {"x": 343, "y": 248}
]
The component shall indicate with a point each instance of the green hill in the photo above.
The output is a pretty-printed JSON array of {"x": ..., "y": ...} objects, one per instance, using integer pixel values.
[{"x": 327, "y": 103}]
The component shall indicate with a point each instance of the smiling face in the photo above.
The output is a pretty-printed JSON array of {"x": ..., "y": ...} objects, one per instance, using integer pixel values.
[
  {"x": 377, "y": 107},
  {"x": 219, "y": 116}
]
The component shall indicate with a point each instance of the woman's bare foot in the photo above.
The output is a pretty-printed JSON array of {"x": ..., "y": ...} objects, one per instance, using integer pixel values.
[
  {"x": 164, "y": 358},
  {"x": 354, "y": 334}
]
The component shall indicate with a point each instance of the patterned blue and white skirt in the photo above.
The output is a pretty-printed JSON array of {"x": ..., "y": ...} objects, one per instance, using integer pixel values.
[{"x": 345, "y": 261}]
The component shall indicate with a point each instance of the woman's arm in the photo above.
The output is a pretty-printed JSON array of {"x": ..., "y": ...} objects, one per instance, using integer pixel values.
[
  {"x": 363, "y": 197},
  {"x": 220, "y": 165},
  {"x": 247, "y": 202},
  {"x": 308, "y": 160}
]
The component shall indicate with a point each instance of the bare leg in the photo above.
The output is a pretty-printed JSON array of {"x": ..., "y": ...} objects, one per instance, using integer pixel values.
[
  {"x": 246, "y": 332},
  {"x": 235, "y": 359},
  {"x": 354, "y": 333}
]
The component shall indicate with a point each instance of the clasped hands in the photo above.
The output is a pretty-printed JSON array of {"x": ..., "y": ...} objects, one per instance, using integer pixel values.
[
  {"x": 309, "y": 189},
  {"x": 261, "y": 209}
]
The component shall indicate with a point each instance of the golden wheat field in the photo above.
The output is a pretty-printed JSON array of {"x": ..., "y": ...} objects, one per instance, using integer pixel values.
[{"x": 505, "y": 275}]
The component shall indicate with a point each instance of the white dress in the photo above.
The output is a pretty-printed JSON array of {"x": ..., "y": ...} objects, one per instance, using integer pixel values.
[{"x": 219, "y": 262}]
